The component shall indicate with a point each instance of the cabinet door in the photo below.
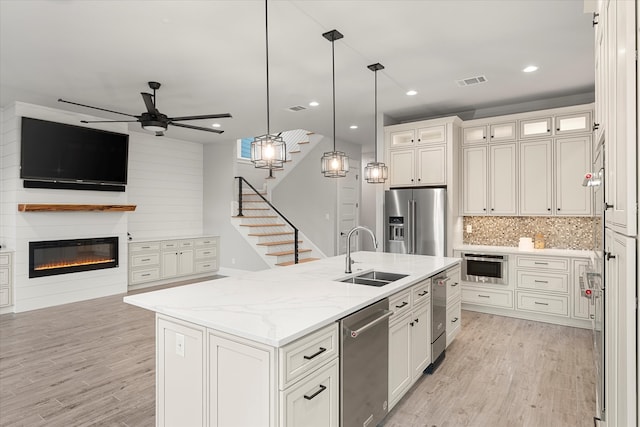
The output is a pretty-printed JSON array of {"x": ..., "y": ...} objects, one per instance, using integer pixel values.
[
  {"x": 474, "y": 180},
  {"x": 432, "y": 135},
  {"x": 474, "y": 135},
  {"x": 420, "y": 325},
  {"x": 401, "y": 167},
  {"x": 403, "y": 138},
  {"x": 502, "y": 179},
  {"x": 573, "y": 123},
  {"x": 399, "y": 359},
  {"x": 535, "y": 128},
  {"x": 313, "y": 401},
  {"x": 181, "y": 387},
  {"x": 573, "y": 159},
  {"x": 601, "y": 78},
  {"x": 535, "y": 178},
  {"x": 169, "y": 264},
  {"x": 580, "y": 303},
  {"x": 186, "y": 264},
  {"x": 503, "y": 132},
  {"x": 432, "y": 165}
]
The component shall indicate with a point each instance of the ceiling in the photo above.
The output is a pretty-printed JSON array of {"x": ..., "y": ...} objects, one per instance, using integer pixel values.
[{"x": 210, "y": 58}]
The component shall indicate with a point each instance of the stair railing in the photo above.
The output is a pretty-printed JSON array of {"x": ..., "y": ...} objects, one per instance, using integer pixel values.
[{"x": 295, "y": 229}]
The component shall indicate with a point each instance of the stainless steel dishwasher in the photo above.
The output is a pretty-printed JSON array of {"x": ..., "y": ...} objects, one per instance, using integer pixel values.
[
  {"x": 438, "y": 320},
  {"x": 364, "y": 366}
]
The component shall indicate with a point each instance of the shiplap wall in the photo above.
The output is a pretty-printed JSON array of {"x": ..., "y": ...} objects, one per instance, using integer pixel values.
[{"x": 165, "y": 181}]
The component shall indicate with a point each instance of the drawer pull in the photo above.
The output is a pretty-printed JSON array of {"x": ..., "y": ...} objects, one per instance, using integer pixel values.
[
  {"x": 146, "y": 274},
  {"x": 417, "y": 320},
  {"x": 454, "y": 320},
  {"x": 402, "y": 305},
  {"x": 541, "y": 281},
  {"x": 541, "y": 263},
  {"x": 423, "y": 293},
  {"x": 145, "y": 247},
  {"x": 145, "y": 259},
  {"x": 322, "y": 388},
  {"x": 484, "y": 296},
  {"x": 541, "y": 303},
  {"x": 454, "y": 285},
  {"x": 206, "y": 265},
  {"x": 206, "y": 253},
  {"x": 317, "y": 353}
]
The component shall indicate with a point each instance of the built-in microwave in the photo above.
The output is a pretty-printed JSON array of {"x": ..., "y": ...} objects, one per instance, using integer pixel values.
[{"x": 484, "y": 268}]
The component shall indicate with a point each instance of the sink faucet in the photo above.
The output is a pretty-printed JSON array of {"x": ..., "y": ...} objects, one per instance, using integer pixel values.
[{"x": 348, "y": 260}]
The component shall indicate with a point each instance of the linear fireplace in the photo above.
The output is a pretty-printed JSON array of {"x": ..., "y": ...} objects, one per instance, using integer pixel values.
[{"x": 53, "y": 257}]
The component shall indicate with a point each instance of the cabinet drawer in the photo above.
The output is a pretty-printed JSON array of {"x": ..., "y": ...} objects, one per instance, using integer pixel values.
[
  {"x": 454, "y": 287},
  {"x": 206, "y": 252},
  {"x": 454, "y": 320},
  {"x": 314, "y": 401},
  {"x": 144, "y": 246},
  {"x": 542, "y": 281},
  {"x": 558, "y": 305},
  {"x": 5, "y": 297},
  {"x": 147, "y": 275},
  {"x": 186, "y": 244},
  {"x": 400, "y": 304},
  {"x": 4, "y": 276},
  {"x": 170, "y": 245},
  {"x": 558, "y": 264},
  {"x": 204, "y": 266},
  {"x": 4, "y": 259},
  {"x": 490, "y": 297},
  {"x": 421, "y": 292},
  {"x": 301, "y": 356},
  {"x": 206, "y": 241},
  {"x": 142, "y": 260}
]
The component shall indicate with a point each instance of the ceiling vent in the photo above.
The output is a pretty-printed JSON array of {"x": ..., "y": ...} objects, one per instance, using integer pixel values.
[
  {"x": 469, "y": 81},
  {"x": 296, "y": 108}
]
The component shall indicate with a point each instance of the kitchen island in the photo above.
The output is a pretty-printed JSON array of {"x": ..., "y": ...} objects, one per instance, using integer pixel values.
[{"x": 235, "y": 351}]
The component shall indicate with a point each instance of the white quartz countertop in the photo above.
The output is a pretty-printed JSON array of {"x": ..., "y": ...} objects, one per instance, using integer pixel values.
[
  {"x": 515, "y": 250},
  {"x": 278, "y": 306}
]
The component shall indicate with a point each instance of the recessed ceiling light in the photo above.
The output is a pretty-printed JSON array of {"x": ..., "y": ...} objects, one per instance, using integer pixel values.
[
  {"x": 314, "y": 103},
  {"x": 412, "y": 92},
  {"x": 530, "y": 69},
  {"x": 216, "y": 125},
  {"x": 353, "y": 127}
]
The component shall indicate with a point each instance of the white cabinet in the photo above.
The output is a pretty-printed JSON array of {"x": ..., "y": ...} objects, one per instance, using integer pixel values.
[
  {"x": 400, "y": 374},
  {"x": 502, "y": 132},
  {"x": 536, "y": 178},
  {"x": 572, "y": 161},
  {"x": 474, "y": 135},
  {"x": 474, "y": 180},
  {"x": 580, "y": 303},
  {"x": 404, "y": 138},
  {"x": 432, "y": 135},
  {"x": 402, "y": 168},
  {"x": 6, "y": 267},
  {"x": 535, "y": 128},
  {"x": 502, "y": 179},
  {"x": 573, "y": 123},
  {"x": 426, "y": 165},
  {"x": 177, "y": 258},
  {"x": 144, "y": 262},
  {"x": 420, "y": 325}
]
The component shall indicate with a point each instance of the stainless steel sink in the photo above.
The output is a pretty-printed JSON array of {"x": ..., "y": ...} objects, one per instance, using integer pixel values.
[{"x": 374, "y": 278}]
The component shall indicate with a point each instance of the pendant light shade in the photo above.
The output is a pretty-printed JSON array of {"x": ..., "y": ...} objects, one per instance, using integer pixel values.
[
  {"x": 268, "y": 151},
  {"x": 334, "y": 164},
  {"x": 376, "y": 172}
]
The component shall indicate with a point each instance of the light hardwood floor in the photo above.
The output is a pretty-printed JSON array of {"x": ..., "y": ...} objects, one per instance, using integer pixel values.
[{"x": 92, "y": 363}]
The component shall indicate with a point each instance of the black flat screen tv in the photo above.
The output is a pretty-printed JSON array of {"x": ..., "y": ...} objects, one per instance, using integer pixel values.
[{"x": 75, "y": 157}]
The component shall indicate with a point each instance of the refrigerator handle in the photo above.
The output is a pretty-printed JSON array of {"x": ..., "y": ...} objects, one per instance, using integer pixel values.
[
  {"x": 412, "y": 204},
  {"x": 409, "y": 236}
]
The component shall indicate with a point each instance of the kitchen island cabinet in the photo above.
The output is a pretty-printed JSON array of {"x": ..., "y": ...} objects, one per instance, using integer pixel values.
[{"x": 261, "y": 349}]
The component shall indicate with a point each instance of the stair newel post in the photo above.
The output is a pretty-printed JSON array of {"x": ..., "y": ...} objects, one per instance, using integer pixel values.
[
  {"x": 240, "y": 196},
  {"x": 295, "y": 245}
]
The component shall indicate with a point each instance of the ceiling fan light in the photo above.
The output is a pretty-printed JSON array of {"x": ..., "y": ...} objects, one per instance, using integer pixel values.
[
  {"x": 268, "y": 151},
  {"x": 154, "y": 126},
  {"x": 334, "y": 164},
  {"x": 376, "y": 173}
]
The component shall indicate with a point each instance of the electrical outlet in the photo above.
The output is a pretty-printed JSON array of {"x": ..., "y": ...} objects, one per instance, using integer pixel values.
[
  {"x": 180, "y": 345},
  {"x": 469, "y": 228}
]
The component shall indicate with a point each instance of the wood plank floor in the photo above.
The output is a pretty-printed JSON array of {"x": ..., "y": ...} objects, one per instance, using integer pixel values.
[{"x": 92, "y": 363}]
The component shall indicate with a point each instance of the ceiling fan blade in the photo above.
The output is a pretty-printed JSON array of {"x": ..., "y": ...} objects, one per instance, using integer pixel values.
[
  {"x": 196, "y": 128},
  {"x": 109, "y": 121},
  {"x": 96, "y": 108},
  {"x": 206, "y": 116},
  {"x": 148, "y": 101}
]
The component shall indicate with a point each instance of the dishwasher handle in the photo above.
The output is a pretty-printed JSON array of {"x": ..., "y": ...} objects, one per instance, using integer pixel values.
[{"x": 385, "y": 315}]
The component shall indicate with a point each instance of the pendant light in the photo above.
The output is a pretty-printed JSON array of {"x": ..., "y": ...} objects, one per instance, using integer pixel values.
[
  {"x": 376, "y": 172},
  {"x": 268, "y": 151},
  {"x": 335, "y": 164}
]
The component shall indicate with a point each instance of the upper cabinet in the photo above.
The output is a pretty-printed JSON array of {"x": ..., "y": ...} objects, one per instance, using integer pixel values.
[
  {"x": 535, "y": 128},
  {"x": 499, "y": 132},
  {"x": 402, "y": 139},
  {"x": 573, "y": 123}
]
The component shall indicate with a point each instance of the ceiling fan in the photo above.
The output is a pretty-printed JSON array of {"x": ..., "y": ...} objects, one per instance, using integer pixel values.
[{"x": 152, "y": 119}]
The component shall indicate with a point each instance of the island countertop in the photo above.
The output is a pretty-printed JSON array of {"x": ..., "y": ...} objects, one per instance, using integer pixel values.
[{"x": 278, "y": 306}]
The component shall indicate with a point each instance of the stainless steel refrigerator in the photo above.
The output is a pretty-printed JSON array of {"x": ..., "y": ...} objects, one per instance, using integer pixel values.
[{"x": 415, "y": 221}]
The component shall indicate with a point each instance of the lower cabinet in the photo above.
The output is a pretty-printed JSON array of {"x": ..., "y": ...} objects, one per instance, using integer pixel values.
[{"x": 6, "y": 266}]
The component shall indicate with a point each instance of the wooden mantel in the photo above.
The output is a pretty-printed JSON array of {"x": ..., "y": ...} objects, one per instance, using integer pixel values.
[{"x": 43, "y": 207}]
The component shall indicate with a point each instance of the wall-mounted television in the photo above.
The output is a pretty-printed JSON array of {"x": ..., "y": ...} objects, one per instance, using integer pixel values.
[{"x": 58, "y": 155}]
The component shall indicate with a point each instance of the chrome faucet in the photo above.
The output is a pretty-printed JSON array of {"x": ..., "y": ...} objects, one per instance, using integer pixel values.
[{"x": 348, "y": 260}]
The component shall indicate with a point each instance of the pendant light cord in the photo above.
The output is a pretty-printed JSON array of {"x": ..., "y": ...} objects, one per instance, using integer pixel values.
[
  {"x": 266, "y": 28},
  {"x": 375, "y": 120},
  {"x": 333, "y": 77}
]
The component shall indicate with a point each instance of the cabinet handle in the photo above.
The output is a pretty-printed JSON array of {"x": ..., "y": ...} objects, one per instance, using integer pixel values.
[
  {"x": 548, "y": 130},
  {"x": 146, "y": 247},
  {"x": 492, "y": 209},
  {"x": 549, "y": 209},
  {"x": 540, "y": 281},
  {"x": 145, "y": 259},
  {"x": 596, "y": 126},
  {"x": 594, "y": 22},
  {"x": 591, "y": 316},
  {"x": 484, "y": 137},
  {"x": 484, "y": 209},
  {"x": 540, "y": 303},
  {"x": 557, "y": 129},
  {"x": 484, "y": 296},
  {"x": 454, "y": 320},
  {"x": 206, "y": 265},
  {"x": 402, "y": 305},
  {"x": 322, "y": 388},
  {"x": 423, "y": 294},
  {"x": 417, "y": 320},
  {"x": 609, "y": 255},
  {"x": 454, "y": 285},
  {"x": 411, "y": 323},
  {"x": 540, "y": 263},
  {"x": 146, "y": 274},
  {"x": 608, "y": 206},
  {"x": 317, "y": 353}
]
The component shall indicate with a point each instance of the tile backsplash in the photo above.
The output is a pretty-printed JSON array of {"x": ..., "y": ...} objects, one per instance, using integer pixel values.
[{"x": 558, "y": 232}]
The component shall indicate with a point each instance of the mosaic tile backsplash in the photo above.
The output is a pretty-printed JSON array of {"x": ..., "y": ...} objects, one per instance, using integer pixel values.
[{"x": 558, "y": 232}]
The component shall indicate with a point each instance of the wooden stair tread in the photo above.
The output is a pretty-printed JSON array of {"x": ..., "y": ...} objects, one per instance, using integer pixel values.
[
  {"x": 300, "y": 261},
  {"x": 256, "y": 216},
  {"x": 253, "y": 201},
  {"x": 262, "y": 225},
  {"x": 282, "y": 253},
  {"x": 256, "y": 209},
  {"x": 281, "y": 242},
  {"x": 294, "y": 151},
  {"x": 253, "y": 194},
  {"x": 279, "y": 233}
]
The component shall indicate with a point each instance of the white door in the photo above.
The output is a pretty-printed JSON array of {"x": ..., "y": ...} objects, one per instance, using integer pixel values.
[
  {"x": 401, "y": 167},
  {"x": 348, "y": 207},
  {"x": 502, "y": 180},
  {"x": 572, "y": 161},
  {"x": 474, "y": 180},
  {"x": 535, "y": 178}
]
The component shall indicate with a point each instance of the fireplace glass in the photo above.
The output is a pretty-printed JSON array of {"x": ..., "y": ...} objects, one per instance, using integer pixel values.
[{"x": 53, "y": 257}]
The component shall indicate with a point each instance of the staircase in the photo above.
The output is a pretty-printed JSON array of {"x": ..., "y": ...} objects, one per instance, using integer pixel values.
[{"x": 278, "y": 242}]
